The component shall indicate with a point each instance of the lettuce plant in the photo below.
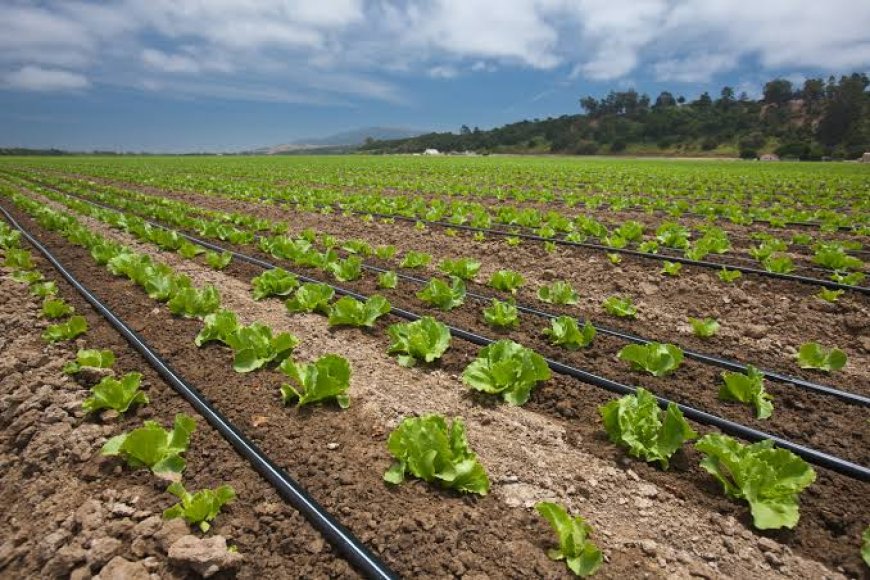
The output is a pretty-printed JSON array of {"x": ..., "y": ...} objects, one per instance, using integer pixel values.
[
  {"x": 27, "y": 276},
  {"x": 119, "y": 395},
  {"x": 424, "y": 340},
  {"x": 430, "y": 449},
  {"x": 90, "y": 358},
  {"x": 812, "y": 355},
  {"x": 217, "y": 326},
  {"x": 53, "y": 308},
  {"x": 581, "y": 556},
  {"x": 193, "y": 303},
  {"x": 388, "y": 280},
  {"x": 464, "y": 268},
  {"x": 729, "y": 276},
  {"x": 43, "y": 289},
  {"x": 769, "y": 479},
  {"x": 565, "y": 332},
  {"x": 829, "y": 295},
  {"x": 154, "y": 447},
  {"x": 630, "y": 230},
  {"x": 621, "y": 307},
  {"x": 704, "y": 328},
  {"x": 437, "y": 293},
  {"x": 385, "y": 252},
  {"x": 558, "y": 292},
  {"x": 199, "y": 508},
  {"x": 671, "y": 268},
  {"x": 218, "y": 260},
  {"x": 275, "y": 282},
  {"x": 655, "y": 358},
  {"x": 346, "y": 270},
  {"x": 18, "y": 259},
  {"x": 635, "y": 422},
  {"x": 506, "y": 281},
  {"x": 415, "y": 260},
  {"x": 851, "y": 279},
  {"x": 68, "y": 330},
  {"x": 614, "y": 258},
  {"x": 834, "y": 256},
  {"x": 747, "y": 389},
  {"x": 349, "y": 311},
  {"x": 254, "y": 346},
  {"x": 508, "y": 369},
  {"x": 326, "y": 379},
  {"x": 189, "y": 250},
  {"x": 360, "y": 247},
  {"x": 161, "y": 283},
  {"x": 778, "y": 264},
  {"x": 500, "y": 314},
  {"x": 311, "y": 297}
]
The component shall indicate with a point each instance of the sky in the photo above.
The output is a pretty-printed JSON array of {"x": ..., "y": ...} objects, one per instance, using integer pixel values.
[{"x": 218, "y": 75}]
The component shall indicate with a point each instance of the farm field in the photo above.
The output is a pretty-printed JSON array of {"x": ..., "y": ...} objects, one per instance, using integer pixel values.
[{"x": 331, "y": 310}]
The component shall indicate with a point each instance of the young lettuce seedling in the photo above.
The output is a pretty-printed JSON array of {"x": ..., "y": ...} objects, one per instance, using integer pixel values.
[
  {"x": 275, "y": 282},
  {"x": 154, "y": 447},
  {"x": 90, "y": 358},
  {"x": 621, "y": 307},
  {"x": 501, "y": 315},
  {"x": 655, "y": 358},
  {"x": 747, "y": 389},
  {"x": 68, "y": 330},
  {"x": 422, "y": 340},
  {"x": 508, "y": 369},
  {"x": 437, "y": 293},
  {"x": 328, "y": 378},
  {"x": 118, "y": 395},
  {"x": 311, "y": 297},
  {"x": 581, "y": 556},
  {"x": 464, "y": 268},
  {"x": 348, "y": 311},
  {"x": 704, "y": 328},
  {"x": 388, "y": 280},
  {"x": 199, "y": 508},
  {"x": 506, "y": 281},
  {"x": 558, "y": 292},
  {"x": 565, "y": 332},
  {"x": 415, "y": 259},
  {"x": 812, "y": 355},
  {"x": 54, "y": 308}
]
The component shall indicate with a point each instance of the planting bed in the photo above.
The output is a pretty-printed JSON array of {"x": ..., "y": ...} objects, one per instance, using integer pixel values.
[{"x": 646, "y": 521}]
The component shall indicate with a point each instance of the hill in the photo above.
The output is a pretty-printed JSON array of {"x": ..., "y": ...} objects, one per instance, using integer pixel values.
[
  {"x": 340, "y": 141},
  {"x": 819, "y": 119}
]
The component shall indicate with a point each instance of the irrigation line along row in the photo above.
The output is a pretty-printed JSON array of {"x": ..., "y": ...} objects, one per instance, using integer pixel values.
[
  {"x": 811, "y": 455},
  {"x": 626, "y": 336},
  {"x": 337, "y": 535}
]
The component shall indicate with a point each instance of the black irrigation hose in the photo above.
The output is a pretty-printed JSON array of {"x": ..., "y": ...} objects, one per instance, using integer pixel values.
[
  {"x": 628, "y": 337},
  {"x": 337, "y": 535},
  {"x": 811, "y": 455}
]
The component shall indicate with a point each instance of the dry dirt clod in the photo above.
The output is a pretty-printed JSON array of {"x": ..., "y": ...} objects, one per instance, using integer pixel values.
[{"x": 206, "y": 557}]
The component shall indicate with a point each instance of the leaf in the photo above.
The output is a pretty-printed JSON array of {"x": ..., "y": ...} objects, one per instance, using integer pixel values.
[
  {"x": 255, "y": 346},
  {"x": 812, "y": 355},
  {"x": 414, "y": 259},
  {"x": 463, "y": 268},
  {"x": 193, "y": 303},
  {"x": 655, "y": 358},
  {"x": 327, "y": 378},
  {"x": 349, "y": 311},
  {"x": 115, "y": 394},
  {"x": 671, "y": 268},
  {"x": 217, "y": 326},
  {"x": 311, "y": 297},
  {"x": 581, "y": 556},
  {"x": 438, "y": 293},
  {"x": 425, "y": 339},
  {"x": 618, "y": 306},
  {"x": 770, "y": 479},
  {"x": 275, "y": 282},
  {"x": 43, "y": 289},
  {"x": 501, "y": 314},
  {"x": 154, "y": 447},
  {"x": 90, "y": 358},
  {"x": 218, "y": 260},
  {"x": 507, "y": 369},
  {"x": 346, "y": 270},
  {"x": 198, "y": 508},
  {"x": 565, "y": 332},
  {"x": 704, "y": 328},
  {"x": 68, "y": 330},
  {"x": 427, "y": 448},
  {"x": 729, "y": 276},
  {"x": 558, "y": 292},
  {"x": 506, "y": 281},
  {"x": 53, "y": 308},
  {"x": 388, "y": 280},
  {"x": 634, "y": 422},
  {"x": 747, "y": 389}
]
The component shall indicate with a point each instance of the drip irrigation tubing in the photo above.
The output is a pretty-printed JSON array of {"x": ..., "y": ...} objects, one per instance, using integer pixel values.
[
  {"x": 356, "y": 553},
  {"x": 727, "y": 426},
  {"x": 704, "y": 358}
]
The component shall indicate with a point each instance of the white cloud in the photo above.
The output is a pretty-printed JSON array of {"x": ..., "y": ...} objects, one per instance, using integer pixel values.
[
  {"x": 34, "y": 78},
  {"x": 698, "y": 68},
  {"x": 443, "y": 72}
]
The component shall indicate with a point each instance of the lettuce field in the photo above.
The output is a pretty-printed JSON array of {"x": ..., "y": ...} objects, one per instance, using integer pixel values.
[{"x": 481, "y": 367}]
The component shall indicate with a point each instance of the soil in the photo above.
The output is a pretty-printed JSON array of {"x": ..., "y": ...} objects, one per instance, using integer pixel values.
[{"x": 688, "y": 528}]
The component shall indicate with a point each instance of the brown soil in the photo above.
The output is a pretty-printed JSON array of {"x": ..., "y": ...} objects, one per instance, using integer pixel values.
[{"x": 826, "y": 512}]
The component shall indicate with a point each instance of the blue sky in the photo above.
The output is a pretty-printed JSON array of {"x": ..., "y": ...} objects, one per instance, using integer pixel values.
[{"x": 168, "y": 75}]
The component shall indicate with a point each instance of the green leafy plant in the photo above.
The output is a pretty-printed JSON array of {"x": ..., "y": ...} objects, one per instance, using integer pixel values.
[
  {"x": 385, "y": 252},
  {"x": 834, "y": 256},
  {"x": 275, "y": 282},
  {"x": 506, "y": 281},
  {"x": 747, "y": 389},
  {"x": 865, "y": 546},
  {"x": 90, "y": 358},
  {"x": 349, "y": 311},
  {"x": 53, "y": 308},
  {"x": 671, "y": 268},
  {"x": 424, "y": 340},
  {"x": 769, "y": 479},
  {"x": 655, "y": 358},
  {"x": 812, "y": 355},
  {"x": 199, "y": 508},
  {"x": 619, "y": 306},
  {"x": 501, "y": 314},
  {"x": 564, "y": 331},
  {"x": 68, "y": 330},
  {"x": 388, "y": 280},
  {"x": 437, "y": 293},
  {"x": 829, "y": 295},
  {"x": 360, "y": 247},
  {"x": 27, "y": 276},
  {"x": 430, "y": 449},
  {"x": 851, "y": 279},
  {"x": 614, "y": 258},
  {"x": 464, "y": 268},
  {"x": 415, "y": 259},
  {"x": 154, "y": 447},
  {"x": 43, "y": 289},
  {"x": 189, "y": 250},
  {"x": 255, "y": 346},
  {"x": 581, "y": 556},
  {"x": 217, "y": 326},
  {"x": 311, "y": 297},
  {"x": 18, "y": 259},
  {"x": 513, "y": 241},
  {"x": 118, "y": 395},
  {"x": 508, "y": 369},
  {"x": 558, "y": 292},
  {"x": 704, "y": 328},
  {"x": 649, "y": 247},
  {"x": 778, "y": 264},
  {"x": 729, "y": 276},
  {"x": 192, "y": 303},
  {"x": 326, "y": 379},
  {"x": 346, "y": 270},
  {"x": 218, "y": 260},
  {"x": 635, "y": 422}
]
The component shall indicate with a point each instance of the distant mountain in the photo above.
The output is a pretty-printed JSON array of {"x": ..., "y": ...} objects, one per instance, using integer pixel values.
[{"x": 344, "y": 140}]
